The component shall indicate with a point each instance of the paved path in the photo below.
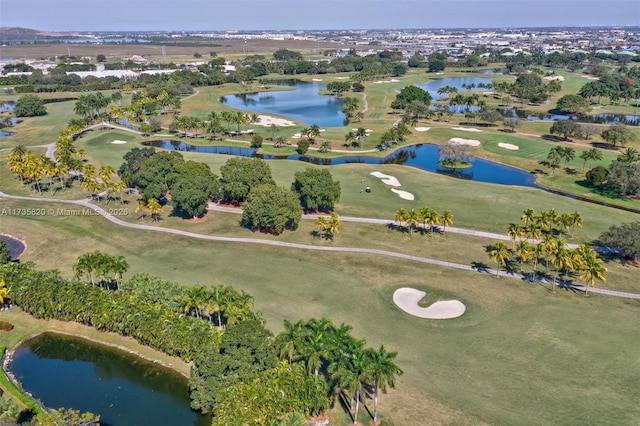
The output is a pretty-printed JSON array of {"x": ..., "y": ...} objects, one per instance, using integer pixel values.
[{"x": 360, "y": 250}]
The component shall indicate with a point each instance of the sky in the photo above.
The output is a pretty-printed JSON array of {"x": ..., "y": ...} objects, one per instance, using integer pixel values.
[{"x": 218, "y": 15}]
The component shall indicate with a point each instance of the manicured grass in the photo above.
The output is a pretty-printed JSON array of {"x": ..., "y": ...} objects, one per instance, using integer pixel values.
[{"x": 517, "y": 345}]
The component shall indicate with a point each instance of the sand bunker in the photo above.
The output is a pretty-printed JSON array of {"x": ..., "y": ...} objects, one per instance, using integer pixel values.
[
  {"x": 403, "y": 194},
  {"x": 467, "y": 129},
  {"x": 460, "y": 141},
  {"x": 267, "y": 120},
  {"x": 118, "y": 142},
  {"x": 508, "y": 146},
  {"x": 407, "y": 299},
  {"x": 316, "y": 79},
  {"x": 555, "y": 77},
  {"x": 422, "y": 129},
  {"x": 341, "y": 78},
  {"x": 389, "y": 180}
]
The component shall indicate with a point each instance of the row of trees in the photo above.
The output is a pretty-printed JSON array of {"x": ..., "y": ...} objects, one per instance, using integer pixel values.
[
  {"x": 429, "y": 218},
  {"x": 617, "y": 134}
]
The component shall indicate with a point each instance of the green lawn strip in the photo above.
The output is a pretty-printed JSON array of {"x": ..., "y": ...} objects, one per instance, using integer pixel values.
[{"x": 512, "y": 333}]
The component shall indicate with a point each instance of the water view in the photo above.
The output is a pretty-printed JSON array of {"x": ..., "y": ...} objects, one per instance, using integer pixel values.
[
  {"x": 423, "y": 156},
  {"x": 302, "y": 103},
  {"x": 64, "y": 371},
  {"x": 15, "y": 247},
  {"x": 460, "y": 83}
]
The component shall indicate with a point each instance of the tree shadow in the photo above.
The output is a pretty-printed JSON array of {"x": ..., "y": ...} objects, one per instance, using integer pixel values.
[
  {"x": 480, "y": 267},
  {"x": 553, "y": 138}
]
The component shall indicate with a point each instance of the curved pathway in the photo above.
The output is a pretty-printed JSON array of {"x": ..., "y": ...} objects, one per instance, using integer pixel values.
[{"x": 87, "y": 203}]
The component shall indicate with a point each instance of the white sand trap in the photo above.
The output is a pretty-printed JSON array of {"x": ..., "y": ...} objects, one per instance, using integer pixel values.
[
  {"x": 508, "y": 146},
  {"x": 389, "y": 180},
  {"x": 297, "y": 136},
  {"x": 316, "y": 79},
  {"x": 555, "y": 77},
  {"x": 267, "y": 120},
  {"x": 422, "y": 129},
  {"x": 323, "y": 130},
  {"x": 460, "y": 141},
  {"x": 467, "y": 129},
  {"x": 403, "y": 194},
  {"x": 118, "y": 142},
  {"x": 407, "y": 299},
  {"x": 393, "y": 80},
  {"x": 341, "y": 78}
]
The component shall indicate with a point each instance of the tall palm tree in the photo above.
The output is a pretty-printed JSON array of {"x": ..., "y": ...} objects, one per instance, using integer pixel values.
[
  {"x": 382, "y": 371},
  {"x": 194, "y": 300},
  {"x": 525, "y": 252},
  {"x": 446, "y": 218},
  {"x": 528, "y": 216},
  {"x": 322, "y": 224},
  {"x": 591, "y": 267},
  {"x": 154, "y": 208},
  {"x": 564, "y": 222},
  {"x": 350, "y": 373},
  {"x": 560, "y": 259},
  {"x": 333, "y": 225},
  {"x": 289, "y": 341},
  {"x": 515, "y": 231},
  {"x": 576, "y": 221},
  {"x": 500, "y": 254},
  {"x": 413, "y": 219},
  {"x": 401, "y": 215}
]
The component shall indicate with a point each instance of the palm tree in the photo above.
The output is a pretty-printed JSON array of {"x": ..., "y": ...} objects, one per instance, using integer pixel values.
[
  {"x": 118, "y": 266},
  {"x": 525, "y": 252},
  {"x": 333, "y": 225},
  {"x": 528, "y": 216},
  {"x": 289, "y": 341},
  {"x": 413, "y": 219},
  {"x": 194, "y": 300},
  {"x": 154, "y": 208},
  {"x": 325, "y": 146},
  {"x": 322, "y": 224},
  {"x": 350, "y": 372},
  {"x": 500, "y": 254},
  {"x": 446, "y": 218},
  {"x": 560, "y": 259},
  {"x": 564, "y": 222},
  {"x": 401, "y": 215},
  {"x": 591, "y": 267},
  {"x": 382, "y": 371},
  {"x": 629, "y": 155},
  {"x": 515, "y": 231},
  {"x": 576, "y": 220}
]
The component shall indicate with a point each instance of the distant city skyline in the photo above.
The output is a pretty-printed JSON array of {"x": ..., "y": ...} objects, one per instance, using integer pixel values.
[{"x": 215, "y": 15}]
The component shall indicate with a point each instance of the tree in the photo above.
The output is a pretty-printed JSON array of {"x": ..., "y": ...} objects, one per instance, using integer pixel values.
[
  {"x": 597, "y": 176},
  {"x": 272, "y": 209},
  {"x": 316, "y": 188},
  {"x": 618, "y": 134},
  {"x": 154, "y": 208},
  {"x": 5, "y": 253},
  {"x": 101, "y": 58},
  {"x": 350, "y": 372},
  {"x": 624, "y": 177},
  {"x": 245, "y": 351},
  {"x": 382, "y": 371},
  {"x": 573, "y": 104},
  {"x": 490, "y": 116},
  {"x": 591, "y": 267},
  {"x": 553, "y": 159},
  {"x": 413, "y": 219},
  {"x": 587, "y": 130},
  {"x": 303, "y": 146},
  {"x": 401, "y": 216},
  {"x": 590, "y": 155},
  {"x": 625, "y": 238},
  {"x": 436, "y": 65},
  {"x": 446, "y": 220},
  {"x": 629, "y": 155},
  {"x": 409, "y": 94},
  {"x": 499, "y": 253},
  {"x": 256, "y": 141},
  {"x": 240, "y": 175},
  {"x": 512, "y": 123},
  {"x": 29, "y": 106},
  {"x": 566, "y": 128}
]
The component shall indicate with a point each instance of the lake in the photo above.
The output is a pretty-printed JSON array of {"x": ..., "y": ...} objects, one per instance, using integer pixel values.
[
  {"x": 423, "y": 156},
  {"x": 65, "y": 371},
  {"x": 303, "y": 103},
  {"x": 457, "y": 82}
]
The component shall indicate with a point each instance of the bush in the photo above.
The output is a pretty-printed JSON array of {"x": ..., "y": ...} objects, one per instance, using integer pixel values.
[{"x": 29, "y": 106}]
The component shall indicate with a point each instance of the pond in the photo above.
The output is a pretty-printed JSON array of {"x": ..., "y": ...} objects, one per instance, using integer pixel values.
[
  {"x": 457, "y": 82},
  {"x": 16, "y": 247},
  {"x": 423, "y": 156},
  {"x": 65, "y": 371},
  {"x": 7, "y": 106},
  {"x": 304, "y": 103}
]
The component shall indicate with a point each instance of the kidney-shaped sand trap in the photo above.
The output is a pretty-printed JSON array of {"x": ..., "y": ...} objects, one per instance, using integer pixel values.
[{"x": 407, "y": 299}]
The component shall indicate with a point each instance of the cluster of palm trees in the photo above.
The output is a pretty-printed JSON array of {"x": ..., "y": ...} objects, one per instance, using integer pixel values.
[
  {"x": 105, "y": 180},
  {"x": 328, "y": 227},
  {"x": 590, "y": 155},
  {"x": 356, "y": 137},
  {"x": 221, "y": 302},
  {"x": 330, "y": 351},
  {"x": 152, "y": 206},
  {"x": 36, "y": 169},
  {"x": 351, "y": 109},
  {"x": 559, "y": 154},
  {"x": 538, "y": 243},
  {"x": 429, "y": 218},
  {"x": 396, "y": 135},
  {"x": 101, "y": 268},
  {"x": 93, "y": 105}
]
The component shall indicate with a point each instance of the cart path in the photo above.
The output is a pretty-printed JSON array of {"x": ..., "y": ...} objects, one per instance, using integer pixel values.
[{"x": 358, "y": 250}]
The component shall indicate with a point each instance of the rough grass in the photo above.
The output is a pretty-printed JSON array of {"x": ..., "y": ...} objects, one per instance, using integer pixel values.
[{"x": 517, "y": 345}]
